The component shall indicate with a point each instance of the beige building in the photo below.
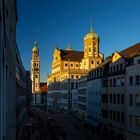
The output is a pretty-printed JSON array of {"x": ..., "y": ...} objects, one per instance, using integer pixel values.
[
  {"x": 35, "y": 69},
  {"x": 73, "y": 64},
  {"x": 115, "y": 94}
]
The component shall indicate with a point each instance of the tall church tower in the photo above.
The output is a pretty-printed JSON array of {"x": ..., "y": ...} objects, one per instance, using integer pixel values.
[
  {"x": 91, "y": 44},
  {"x": 35, "y": 70},
  {"x": 92, "y": 57}
]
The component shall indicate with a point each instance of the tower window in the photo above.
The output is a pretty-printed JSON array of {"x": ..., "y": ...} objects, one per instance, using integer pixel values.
[
  {"x": 71, "y": 65},
  {"x": 85, "y": 63},
  {"x": 72, "y": 76},
  {"x": 36, "y": 76},
  {"x": 36, "y": 64},
  {"x": 94, "y": 49},
  {"x": 89, "y": 49},
  {"x": 92, "y": 62}
]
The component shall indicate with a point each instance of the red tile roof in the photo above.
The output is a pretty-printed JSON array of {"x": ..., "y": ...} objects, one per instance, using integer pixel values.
[
  {"x": 131, "y": 51},
  {"x": 43, "y": 87},
  {"x": 72, "y": 55}
]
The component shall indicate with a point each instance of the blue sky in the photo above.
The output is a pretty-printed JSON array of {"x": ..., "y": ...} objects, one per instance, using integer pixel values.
[{"x": 117, "y": 22}]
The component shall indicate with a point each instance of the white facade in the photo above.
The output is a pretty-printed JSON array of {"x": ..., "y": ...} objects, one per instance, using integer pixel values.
[
  {"x": 82, "y": 98},
  {"x": 58, "y": 95},
  {"x": 94, "y": 101},
  {"x": 133, "y": 99}
]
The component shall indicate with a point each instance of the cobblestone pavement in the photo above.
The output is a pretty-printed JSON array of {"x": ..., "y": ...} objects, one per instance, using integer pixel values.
[
  {"x": 45, "y": 123},
  {"x": 73, "y": 128}
]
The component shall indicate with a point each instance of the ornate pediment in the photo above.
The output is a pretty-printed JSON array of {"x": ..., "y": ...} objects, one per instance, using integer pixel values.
[{"x": 56, "y": 55}]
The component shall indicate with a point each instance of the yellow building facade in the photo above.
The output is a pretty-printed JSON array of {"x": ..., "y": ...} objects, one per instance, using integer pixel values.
[{"x": 73, "y": 64}]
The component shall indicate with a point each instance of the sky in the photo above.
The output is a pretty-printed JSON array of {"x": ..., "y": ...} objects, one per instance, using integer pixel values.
[{"x": 117, "y": 22}]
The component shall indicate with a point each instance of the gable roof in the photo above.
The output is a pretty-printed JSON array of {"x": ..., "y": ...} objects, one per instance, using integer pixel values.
[{"x": 72, "y": 55}]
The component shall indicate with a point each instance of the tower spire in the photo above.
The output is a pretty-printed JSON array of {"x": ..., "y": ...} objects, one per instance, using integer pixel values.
[
  {"x": 69, "y": 47},
  {"x": 35, "y": 43},
  {"x": 91, "y": 29}
]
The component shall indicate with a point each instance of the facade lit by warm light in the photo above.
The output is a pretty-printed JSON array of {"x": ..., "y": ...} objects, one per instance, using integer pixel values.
[{"x": 73, "y": 64}]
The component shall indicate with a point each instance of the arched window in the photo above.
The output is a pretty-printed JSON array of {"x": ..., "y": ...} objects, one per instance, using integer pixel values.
[
  {"x": 94, "y": 49},
  {"x": 89, "y": 49}
]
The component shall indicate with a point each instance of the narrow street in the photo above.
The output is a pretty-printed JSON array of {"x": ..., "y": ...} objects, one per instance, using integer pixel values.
[{"x": 59, "y": 126}]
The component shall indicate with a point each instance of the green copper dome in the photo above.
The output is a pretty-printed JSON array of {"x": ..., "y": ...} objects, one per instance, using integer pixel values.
[{"x": 91, "y": 33}]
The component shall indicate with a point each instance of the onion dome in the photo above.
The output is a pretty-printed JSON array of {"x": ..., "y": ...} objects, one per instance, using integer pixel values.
[{"x": 91, "y": 33}]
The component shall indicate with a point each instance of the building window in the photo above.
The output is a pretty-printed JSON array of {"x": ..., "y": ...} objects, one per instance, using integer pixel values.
[
  {"x": 36, "y": 76},
  {"x": 92, "y": 62},
  {"x": 72, "y": 85},
  {"x": 71, "y": 65},
  {"x": 114, "y": 69},
  {"x": 122, "y": 99},
  {"x": 89, "y": 50},
  {"x": 118, "y": 98},
  {"x": 110, "y": 69},
  {"x": 114, "y": 115},
  {"x": 66, "y": 64},
  {"x": 76, "y": 65},
  {"x": 118, "y": 116},
  {"x": 137, "y": 121},
  {"x": 72, "y": 76},
  {"x": 104, "y": 113},
  {"x": 104, "y": 83},
  {"x": 97, "y": 62},
  {"x": 118, "y": 82},
  {"x": 114, "y": 82},
  {"x": 110, "y": 98},
  {"x": 121, "y": 67},
  {"x": 130, "y": 119},
  {"x": 130, "y": 99},
  {"x": 137, "y": 80},
  {"x": 117, "y": 68},
  {"x": 138, "y": 61},
  {"x": 77, "y": 76},
  {"x": 130, "y": 81},
  {"x": 122, "y": 117},
  {"x": 114, "y": 98},
  {"x": 110, "y": 82},
  {"x": 137, "y": 100},
  {"x": 110, "y": 114},
  {"x": 122, "y": 81},
  {"x": 104, "y": 98}
]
